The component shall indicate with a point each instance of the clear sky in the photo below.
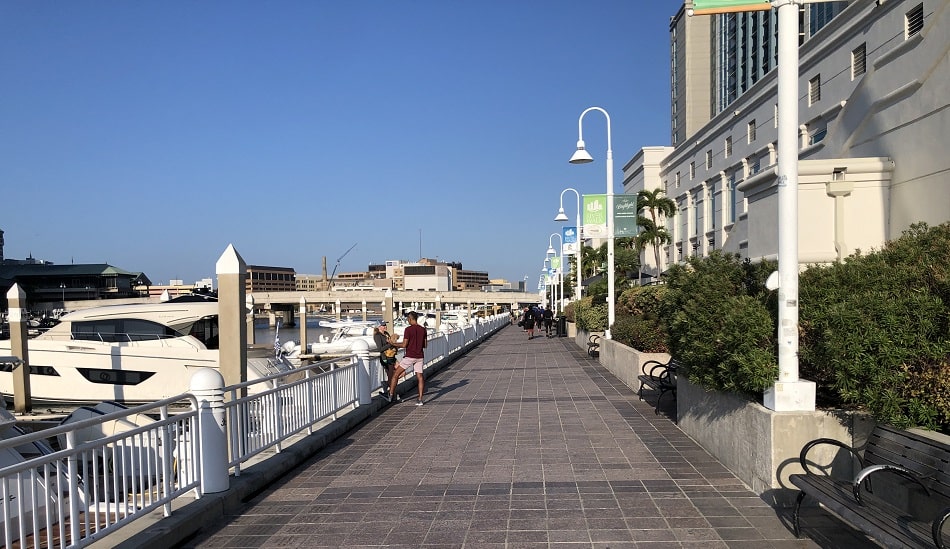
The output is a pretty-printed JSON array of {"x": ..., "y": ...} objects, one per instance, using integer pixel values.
[{"x": 150, "y": 135}]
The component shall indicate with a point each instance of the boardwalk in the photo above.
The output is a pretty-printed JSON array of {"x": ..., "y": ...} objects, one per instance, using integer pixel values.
[{"x": 519, "y": 444}]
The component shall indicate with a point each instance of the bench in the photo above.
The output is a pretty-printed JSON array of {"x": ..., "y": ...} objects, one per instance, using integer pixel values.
[
  {"x": 593, "y": 346},
  {"x": 908, "y": 501},
  {"x": 659, "y": 376}
]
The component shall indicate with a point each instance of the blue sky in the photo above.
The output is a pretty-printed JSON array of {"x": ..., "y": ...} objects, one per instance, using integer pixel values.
[{"x": 151, "y": 135}]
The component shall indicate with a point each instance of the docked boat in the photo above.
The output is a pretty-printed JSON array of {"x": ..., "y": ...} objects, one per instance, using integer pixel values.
[
  {"x": 342, "y": 336},
  {"x": 126, "y": 353}
]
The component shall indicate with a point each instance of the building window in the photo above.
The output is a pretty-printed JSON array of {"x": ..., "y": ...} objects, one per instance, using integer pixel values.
[
  {"x": 692, "y": 170},
  {"x": 709, "y": 159},
  {"x": 677, "y": 179},
  {"x": 818, "y": 135},
  {"x": 711, "y": 208},
  {"x": 914, "y": 21},
  {"x": 858, "y": 61},
  {"x": 750, "y": 131},
  {"x": 728, "y": 146},
  {"x": 753, "y": 165},
  {"x": 814, "y": 90}
]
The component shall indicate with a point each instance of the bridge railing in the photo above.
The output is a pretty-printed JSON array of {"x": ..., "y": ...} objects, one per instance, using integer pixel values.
[{"x": 139, "y": 460}]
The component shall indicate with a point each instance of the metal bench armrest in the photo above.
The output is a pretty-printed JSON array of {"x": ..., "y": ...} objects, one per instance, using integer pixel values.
[
  {"x": 937, "y": 529},
  {"x": 803, "y": 456},
  {"x": 866, "y": 472}
]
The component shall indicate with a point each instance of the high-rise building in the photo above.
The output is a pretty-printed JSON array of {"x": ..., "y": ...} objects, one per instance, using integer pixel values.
[{"x": 715, "y": 59}]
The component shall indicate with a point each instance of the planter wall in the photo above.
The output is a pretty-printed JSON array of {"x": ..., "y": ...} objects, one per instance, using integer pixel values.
[
  {"x": 761, "y": 446},
  {"x": 758, "y": 445}
]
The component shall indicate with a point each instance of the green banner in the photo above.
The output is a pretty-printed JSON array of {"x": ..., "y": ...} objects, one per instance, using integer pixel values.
[
  {"x": 595, "y": 216},
  {"x": 625, "y": 215},
  {"x": 707, "y": 7}
]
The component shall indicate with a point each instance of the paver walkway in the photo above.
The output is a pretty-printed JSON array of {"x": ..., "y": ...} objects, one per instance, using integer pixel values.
[{"x": 519, "y": 444}]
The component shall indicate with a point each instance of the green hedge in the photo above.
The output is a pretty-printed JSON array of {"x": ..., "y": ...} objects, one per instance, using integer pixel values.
[{"x": 874, "y": 329}]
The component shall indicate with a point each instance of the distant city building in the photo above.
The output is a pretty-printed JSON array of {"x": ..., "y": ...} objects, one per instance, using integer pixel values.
[
  {"x": 270, "y": 279},
  {"x": 872, "y": 119}
]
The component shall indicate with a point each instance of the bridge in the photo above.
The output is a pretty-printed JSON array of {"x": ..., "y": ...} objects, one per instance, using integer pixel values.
[{"x": 372, "y": 301}]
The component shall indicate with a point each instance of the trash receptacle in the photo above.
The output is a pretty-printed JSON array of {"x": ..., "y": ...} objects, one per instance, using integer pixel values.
[{"x": 562, "y": 326}]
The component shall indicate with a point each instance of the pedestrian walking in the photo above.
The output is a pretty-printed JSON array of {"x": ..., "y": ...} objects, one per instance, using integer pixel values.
[
  {"x": 548, "y": 321},
  {"x": 528, "y": 322},
  {"x": 414, "y": 341}
]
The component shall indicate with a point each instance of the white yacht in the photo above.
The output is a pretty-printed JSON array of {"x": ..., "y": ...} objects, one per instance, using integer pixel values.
[
  {"x": 344, "y": 334},
  {"x": 125, "y": 353}
]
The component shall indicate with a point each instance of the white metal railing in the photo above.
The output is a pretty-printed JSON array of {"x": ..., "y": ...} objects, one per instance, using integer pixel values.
[
  {"x": 76, "y": 495},
  {"x": 109, "y": 470}
]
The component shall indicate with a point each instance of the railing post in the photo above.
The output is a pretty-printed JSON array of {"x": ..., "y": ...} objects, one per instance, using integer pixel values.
[
  {"x": 364, "y": 389},
  {"x": 208, "y": 387}
]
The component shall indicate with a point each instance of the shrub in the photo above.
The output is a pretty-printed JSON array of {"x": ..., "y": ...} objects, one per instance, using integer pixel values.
[
  {"x": 875, "y": 332},
  {"x": 640, "y": 332},
  {"x": 719, "y": 323},
  {"x": 638, "y": 322},
  {"x": 591, "y": 315}
]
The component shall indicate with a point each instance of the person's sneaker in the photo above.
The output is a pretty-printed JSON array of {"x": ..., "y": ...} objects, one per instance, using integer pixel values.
[
  {"x": 397, "y": 398},
  {"x": 387, "y": 398},
  {"x": 418, "y": 403}
]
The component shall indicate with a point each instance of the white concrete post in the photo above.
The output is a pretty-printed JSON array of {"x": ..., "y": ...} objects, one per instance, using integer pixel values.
[
  {"x": 19, "y": 334},
  {"x": 364, "y": 387},
  {"x": 251, "y": 337},
  {"x": 303, "y": 325},
  {"x": 232, "y": 311},
  {"x": 336, "y": 308},
  {"x": 208, "y": 387},
  {"x": 364, "y": 310}
]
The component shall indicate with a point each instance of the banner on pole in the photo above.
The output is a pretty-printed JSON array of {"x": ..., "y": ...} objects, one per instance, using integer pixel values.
[
  {"x": 708, "y": 7},
  {"x": 555, "y": 264},
  {"x": 625, "y": 215},
  {"x": 569, "y": 239},
  {"x": 595, "y": 215}
]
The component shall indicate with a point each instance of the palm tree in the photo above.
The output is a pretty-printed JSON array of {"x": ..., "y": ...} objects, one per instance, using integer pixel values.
[{"x": 652, "y": 231}]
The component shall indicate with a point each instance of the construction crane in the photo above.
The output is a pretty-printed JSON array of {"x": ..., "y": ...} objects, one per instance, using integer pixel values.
[{"x": 337, "y": 266}]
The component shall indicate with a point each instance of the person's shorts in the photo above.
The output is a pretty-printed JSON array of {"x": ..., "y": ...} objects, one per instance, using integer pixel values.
[{"x": 411, "y": 364}]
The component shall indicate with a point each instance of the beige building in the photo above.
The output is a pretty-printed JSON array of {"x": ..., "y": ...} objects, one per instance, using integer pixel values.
[{"x": 872, "y": 157}]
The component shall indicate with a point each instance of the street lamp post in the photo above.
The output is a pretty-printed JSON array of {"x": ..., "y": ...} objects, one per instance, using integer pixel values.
[
  {"x": 544, "y": 269},
  {"x": 581, "y": 156},
  {"x": 560, "y": 268},
  {"x": 62, "y": 286},
  {"x": 580, "y": 241}
]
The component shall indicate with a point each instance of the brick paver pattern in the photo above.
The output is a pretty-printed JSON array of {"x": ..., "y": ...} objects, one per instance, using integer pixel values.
[{"x": 520, "y": 444}]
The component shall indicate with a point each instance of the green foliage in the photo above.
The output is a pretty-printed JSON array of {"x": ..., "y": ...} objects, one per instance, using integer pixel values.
[
  {"x": 640, "y": 332},
  {"x": 638, "y": 322},
  {"x": 719, "y": 322},
  {"x": 590, "y": 314},
  {"x": 875, "y": 331}
]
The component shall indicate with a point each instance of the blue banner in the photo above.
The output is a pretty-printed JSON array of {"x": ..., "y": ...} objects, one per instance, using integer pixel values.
[{"x": 570, "y": 239}]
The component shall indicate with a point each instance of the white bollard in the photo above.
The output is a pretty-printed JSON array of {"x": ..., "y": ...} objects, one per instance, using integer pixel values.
[
  {"x": 364, "y": 385},
  {"x": 208, "y": 387}
]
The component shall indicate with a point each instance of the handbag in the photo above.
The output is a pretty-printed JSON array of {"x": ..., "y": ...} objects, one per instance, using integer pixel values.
[{"x": 390, "y": 352}]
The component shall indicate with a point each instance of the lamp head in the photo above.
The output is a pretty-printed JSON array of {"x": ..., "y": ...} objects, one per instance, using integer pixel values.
[
  {"x": 581, "y": 156},
  {"x": 561, "y": 216},
  {"x": 551, "y": 250}
]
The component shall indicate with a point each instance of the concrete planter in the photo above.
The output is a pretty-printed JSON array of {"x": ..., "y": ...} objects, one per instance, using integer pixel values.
[
  {"x": 758, "y": 445},
  {"x": 761, "y": 446}
]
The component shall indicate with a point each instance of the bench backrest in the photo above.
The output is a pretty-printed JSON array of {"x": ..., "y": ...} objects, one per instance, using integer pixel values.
[{"x": 926, "y": 457}]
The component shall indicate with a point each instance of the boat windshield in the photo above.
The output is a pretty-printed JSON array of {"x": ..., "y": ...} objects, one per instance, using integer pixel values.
[{"x": 115, "y": 330}]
